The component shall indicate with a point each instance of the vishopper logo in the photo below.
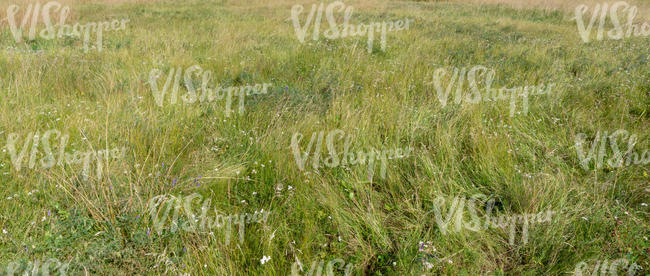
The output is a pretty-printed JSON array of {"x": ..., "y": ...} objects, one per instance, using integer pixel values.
[
  {"x": 472, "y": 93},
  {"x": 600, "y": 13},
  {"x": 603, "y": 267},
  {"x": 346, "y": 29},
  {"x": 206, "y": 93},
  {"x": 337, "y": 264},
  {"x": 203, "y": 223},
  {"x": 49, "y": 159},
  {"x": 31, "y": 16},
  {"x": 456, "y": 214},
  {"x": 598, "y": 150},
  {"x": 347, "y": 157},
  {"x": 48, "y": 267}
]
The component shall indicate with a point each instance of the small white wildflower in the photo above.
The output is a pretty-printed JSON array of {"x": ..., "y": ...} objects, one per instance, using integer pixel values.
[
  {"x": 265, "y": 259},
  {"x": 428, "y": 265},
  {"x": 4, "y": 231}
]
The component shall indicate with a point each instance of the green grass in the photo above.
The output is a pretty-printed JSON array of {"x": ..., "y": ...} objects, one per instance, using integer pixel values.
[{"x": 384, "y": 99}]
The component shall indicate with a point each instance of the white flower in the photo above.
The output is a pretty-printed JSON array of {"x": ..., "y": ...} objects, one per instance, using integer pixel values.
[
  {"x": 265, "y": 259},
  {"x": 4, "y": 231},
  {"x": 428, "y": 265}
]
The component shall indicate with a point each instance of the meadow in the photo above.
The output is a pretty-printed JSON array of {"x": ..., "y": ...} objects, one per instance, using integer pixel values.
[{"x": 238, "y": 155}]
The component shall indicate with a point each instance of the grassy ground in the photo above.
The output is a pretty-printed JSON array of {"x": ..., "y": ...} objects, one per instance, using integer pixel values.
[
  {"x": 527, "y": 162},
  {"x": 569, "y": 6}
]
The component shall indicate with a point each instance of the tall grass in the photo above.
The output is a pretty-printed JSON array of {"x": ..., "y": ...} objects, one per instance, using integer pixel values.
[{"x": 384, "y": 99}]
